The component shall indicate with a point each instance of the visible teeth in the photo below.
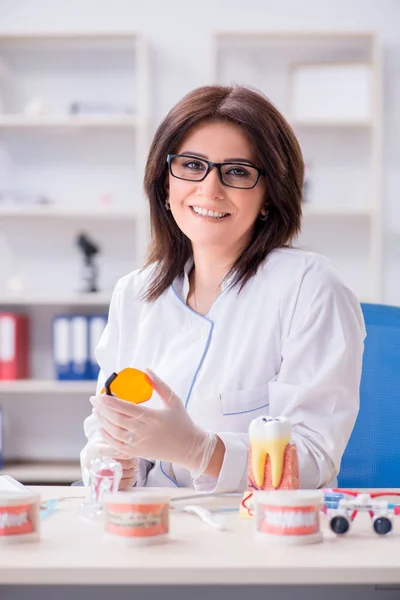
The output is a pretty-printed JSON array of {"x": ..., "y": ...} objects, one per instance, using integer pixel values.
[
  {"x": 13, "y": 519},
  {"x": 269, "y": 437},
  {"x": 208, "y": 213},
  {"x": 290, "y": 519},
  {"x": 135, "y": 519}
]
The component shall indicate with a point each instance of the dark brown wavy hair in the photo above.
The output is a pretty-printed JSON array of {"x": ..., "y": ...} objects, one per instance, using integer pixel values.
[{"x": 278, "y": 153}]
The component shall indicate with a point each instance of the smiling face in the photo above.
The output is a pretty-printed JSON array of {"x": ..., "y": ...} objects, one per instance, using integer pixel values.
[{"x": 210, "y": 214}]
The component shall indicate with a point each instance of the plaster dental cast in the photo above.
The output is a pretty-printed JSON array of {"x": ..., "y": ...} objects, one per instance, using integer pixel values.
[{"x": 228, "y": 318}]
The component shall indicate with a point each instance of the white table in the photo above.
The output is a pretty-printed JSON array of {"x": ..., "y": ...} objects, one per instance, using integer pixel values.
[{"x": 74, "y": 552}]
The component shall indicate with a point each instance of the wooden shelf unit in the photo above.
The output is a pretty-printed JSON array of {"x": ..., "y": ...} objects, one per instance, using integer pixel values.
[{"x": 345, "y": 154}]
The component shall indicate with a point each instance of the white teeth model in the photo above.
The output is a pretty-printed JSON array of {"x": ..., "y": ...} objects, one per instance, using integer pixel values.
[
  {"x": 269, "y": 437},
  {"x": 13, "y": 520},
  {"x": 291, "y": 519},
  {"x": 208, "y": 213},
  {"x": 136, "y": 519}
]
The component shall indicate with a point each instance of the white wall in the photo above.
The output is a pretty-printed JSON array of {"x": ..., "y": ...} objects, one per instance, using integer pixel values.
[{"x": 179, "y": 34}]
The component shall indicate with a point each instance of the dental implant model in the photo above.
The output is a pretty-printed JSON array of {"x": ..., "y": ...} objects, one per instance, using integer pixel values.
[{"x": 273, "y": 462}]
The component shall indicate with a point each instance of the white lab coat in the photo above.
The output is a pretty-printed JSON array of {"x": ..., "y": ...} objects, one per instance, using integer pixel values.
[{"x": 289, "y": 344}]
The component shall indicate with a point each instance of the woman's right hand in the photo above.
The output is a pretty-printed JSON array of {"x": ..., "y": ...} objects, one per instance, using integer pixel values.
[{"x": 130, "y": 466}]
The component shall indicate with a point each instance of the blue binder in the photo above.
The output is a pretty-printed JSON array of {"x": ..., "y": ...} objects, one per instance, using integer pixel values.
[
  {"x": 97, "y": 324},
  {"x": 75, "y": 338},
  {"x": 79, "y": 332},
  {"x": 62, "y": 347}
]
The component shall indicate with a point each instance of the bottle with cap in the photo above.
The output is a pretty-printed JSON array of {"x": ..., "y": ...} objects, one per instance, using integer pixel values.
[{"x": 129, "y": 384}]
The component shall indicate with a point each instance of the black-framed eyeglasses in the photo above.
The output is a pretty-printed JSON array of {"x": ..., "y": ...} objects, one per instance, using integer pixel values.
[{"x": 232, "y": 174}]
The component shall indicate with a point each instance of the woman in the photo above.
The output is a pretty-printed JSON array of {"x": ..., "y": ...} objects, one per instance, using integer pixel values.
[{"x": 226, "y": 314}]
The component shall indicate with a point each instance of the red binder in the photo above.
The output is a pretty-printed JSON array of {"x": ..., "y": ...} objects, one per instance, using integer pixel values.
[{"x": 14, "y": 346}]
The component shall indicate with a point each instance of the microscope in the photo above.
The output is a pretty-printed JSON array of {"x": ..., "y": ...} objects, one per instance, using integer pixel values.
[{"x": 90, "y": 271}]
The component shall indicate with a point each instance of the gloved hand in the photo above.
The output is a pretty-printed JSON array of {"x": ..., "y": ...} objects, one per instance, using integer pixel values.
[
  {"x": 97, "y": 449},
  {"x": 156, "y": 434}
]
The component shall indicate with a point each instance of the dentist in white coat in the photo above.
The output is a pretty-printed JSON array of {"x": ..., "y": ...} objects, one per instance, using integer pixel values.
[{"x": 232, "y": 322}]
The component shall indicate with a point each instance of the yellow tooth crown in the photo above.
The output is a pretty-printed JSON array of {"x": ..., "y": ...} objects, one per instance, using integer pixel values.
[{"x": 269, "y": 437}]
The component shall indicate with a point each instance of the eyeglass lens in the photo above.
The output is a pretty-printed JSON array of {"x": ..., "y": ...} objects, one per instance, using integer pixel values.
[{"x": 194, "y": 169}]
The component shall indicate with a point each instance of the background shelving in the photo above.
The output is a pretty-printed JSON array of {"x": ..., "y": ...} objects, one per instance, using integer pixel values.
[
  {"x": 88, "y": 165},
  {"x": 9, "y": 302},
  {"x": 89, "y": 169},
  {"x": 342, "y": 215},
  {"x": 44, "y": 473},
  {"x": 10, "y": 122},
  {"x": 44, "y": 212},
  {"x": 51, "y": 386}
]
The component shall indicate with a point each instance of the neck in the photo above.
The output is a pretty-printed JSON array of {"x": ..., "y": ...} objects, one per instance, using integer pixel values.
[
  {"x": 211, "y": 265},
  {"x": 210, "y": 269}
]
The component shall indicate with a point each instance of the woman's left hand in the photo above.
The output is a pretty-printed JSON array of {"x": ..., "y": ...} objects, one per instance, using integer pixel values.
[{"x": 156, "y": 434}]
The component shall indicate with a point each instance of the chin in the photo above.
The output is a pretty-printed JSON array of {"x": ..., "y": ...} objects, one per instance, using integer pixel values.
[
  {"x": 202, "y": 236},
  {"x": 215, "y": 241}
]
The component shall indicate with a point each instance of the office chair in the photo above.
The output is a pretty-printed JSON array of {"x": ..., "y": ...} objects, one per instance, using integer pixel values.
[{"x": 372, "y": 457}]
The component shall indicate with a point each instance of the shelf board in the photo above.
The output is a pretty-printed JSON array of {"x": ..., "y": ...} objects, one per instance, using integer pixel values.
[
  {"x": 120, "y": 213},
  {"x": 95, "y": 299},
  {"x": 43, "y": 472},
  {"x": 102, "y": 35},
  {"x": 49, "y": 212},
  {"x": 42, "y": 386},
  {"x": 310, "y": 210},
  {"x": 69, "y": 122},
  {"x": 330, "y": 123},
  {"x": 295, "y": 33}
]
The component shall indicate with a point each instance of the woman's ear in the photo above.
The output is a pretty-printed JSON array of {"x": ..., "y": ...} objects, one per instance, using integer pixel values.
[
  {"x": 263, "y": 215},
  {"x": 265, "y": 208}
]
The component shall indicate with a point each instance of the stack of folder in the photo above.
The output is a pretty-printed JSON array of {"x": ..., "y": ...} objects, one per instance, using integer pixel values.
[{"x": 75, "y": 338}]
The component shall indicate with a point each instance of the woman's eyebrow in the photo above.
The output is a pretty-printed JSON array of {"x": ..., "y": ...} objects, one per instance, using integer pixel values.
[
  {"x": 240, "y": 160},
  {"x": 194, "y": 154}
]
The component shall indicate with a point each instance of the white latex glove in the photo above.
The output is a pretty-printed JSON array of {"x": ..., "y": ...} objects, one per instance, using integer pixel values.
[
  {"x": 98, "y": 449},
  {"x": 167, "y": 433}
]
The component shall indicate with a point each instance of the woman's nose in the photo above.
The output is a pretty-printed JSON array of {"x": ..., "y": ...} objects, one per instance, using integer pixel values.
[{"x": 211, "y": 186}]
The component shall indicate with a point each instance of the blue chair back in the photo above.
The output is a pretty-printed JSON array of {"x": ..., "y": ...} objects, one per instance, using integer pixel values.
[{"x": 372, "y": 457}]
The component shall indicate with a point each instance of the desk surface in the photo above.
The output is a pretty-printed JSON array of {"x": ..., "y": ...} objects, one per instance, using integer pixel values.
[{"x": 74, "y": 551}]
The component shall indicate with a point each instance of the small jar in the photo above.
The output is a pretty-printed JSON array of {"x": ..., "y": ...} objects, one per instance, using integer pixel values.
[
  {"x": 19, "y": 517},
  {"x": 136, "y": 518}
]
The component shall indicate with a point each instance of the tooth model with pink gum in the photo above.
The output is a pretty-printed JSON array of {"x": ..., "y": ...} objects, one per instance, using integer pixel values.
[{"x": 273, "y": 461}]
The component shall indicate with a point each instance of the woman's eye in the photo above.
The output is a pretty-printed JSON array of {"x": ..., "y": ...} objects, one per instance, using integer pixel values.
[
  {"x": 238, "y": 172},
  {"x": 194, "y": 165}
]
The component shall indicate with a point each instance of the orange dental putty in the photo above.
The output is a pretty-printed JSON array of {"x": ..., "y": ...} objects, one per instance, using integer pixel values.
[{"x": 129, "y": 384}]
